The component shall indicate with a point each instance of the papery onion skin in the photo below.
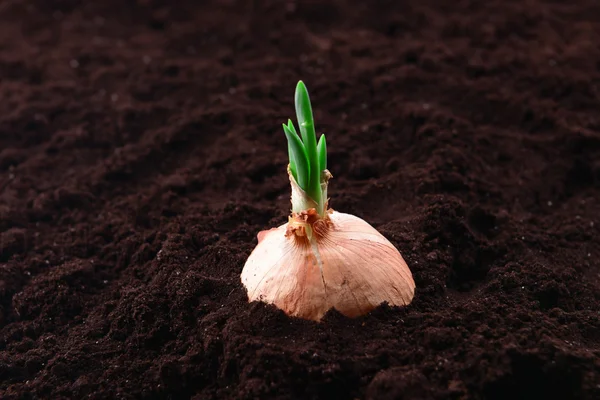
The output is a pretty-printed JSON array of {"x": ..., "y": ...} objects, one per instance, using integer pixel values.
[{"x": 339, "y": 262}]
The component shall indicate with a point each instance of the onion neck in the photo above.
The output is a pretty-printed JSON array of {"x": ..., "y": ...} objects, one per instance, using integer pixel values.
[{"x": 301, "y": 201}]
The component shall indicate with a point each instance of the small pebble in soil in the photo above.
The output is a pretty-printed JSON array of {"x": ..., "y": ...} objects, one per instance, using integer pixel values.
[{"x": 74, "y": 63}]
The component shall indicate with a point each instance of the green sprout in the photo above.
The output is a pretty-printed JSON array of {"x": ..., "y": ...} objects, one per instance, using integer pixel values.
[{"x": 308, "y": 159}]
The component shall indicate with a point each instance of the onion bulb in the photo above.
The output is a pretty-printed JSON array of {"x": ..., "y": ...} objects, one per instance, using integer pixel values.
[{"x": 323, "y": 259}]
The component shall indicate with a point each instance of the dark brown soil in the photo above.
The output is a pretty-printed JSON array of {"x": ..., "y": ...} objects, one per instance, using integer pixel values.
[{"x": 141, "y": 151}]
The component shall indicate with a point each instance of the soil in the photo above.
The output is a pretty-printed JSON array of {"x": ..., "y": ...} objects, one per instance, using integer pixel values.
[{"x": 141, "y": 152}]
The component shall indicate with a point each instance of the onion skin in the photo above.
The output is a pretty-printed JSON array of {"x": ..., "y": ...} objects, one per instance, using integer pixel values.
[{"x": 315, "y": 263}]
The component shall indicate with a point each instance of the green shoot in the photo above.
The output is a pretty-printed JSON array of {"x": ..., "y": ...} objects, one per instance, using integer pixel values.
[
  {"x": 307, "y": 159},
  {"x": 309, "y": 138},
  {"x": 292, "y": 159},
  {"x": 322, "y": 151},
  {"x": 290, "y": 127},
  {"x": 299, "y": 163}
]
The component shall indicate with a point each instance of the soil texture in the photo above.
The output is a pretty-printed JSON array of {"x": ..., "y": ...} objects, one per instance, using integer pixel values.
[{"x": 141, "y": 151}]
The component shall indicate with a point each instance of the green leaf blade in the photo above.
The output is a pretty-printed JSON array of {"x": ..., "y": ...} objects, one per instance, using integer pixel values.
[
  {"x": 299, "y": 157},
  {"x": 322, "y": 151},
  {"x": 309, "y": 139},
  {"x": 291, "y": 127},
  {"x": 292, "y": 159}
]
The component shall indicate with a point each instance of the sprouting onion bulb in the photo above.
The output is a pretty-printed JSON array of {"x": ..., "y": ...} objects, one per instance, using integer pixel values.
[{"x": 322, "y": 259}]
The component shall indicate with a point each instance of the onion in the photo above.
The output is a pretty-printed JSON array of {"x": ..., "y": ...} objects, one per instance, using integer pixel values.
[{"x": 322, "y": 259}]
